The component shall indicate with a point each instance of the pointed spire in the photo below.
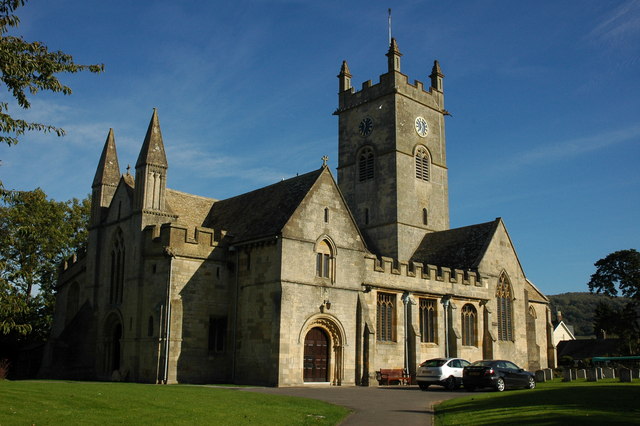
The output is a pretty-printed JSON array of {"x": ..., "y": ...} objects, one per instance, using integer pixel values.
[
  {"x": 345, "y": 77},
  {"x": 436, "y": 76},
  {"x": 108, "y": 172},
  {"x": 394, "y": 56},
  {"x": 152, "y": 151}
]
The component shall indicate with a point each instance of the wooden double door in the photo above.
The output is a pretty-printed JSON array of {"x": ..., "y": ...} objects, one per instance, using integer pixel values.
[{"x": 316, "y": 356}]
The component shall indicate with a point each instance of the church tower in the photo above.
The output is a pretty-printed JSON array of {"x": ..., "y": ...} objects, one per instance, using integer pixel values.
[
  {"x": 151, "y": 171},
  {"x": 105, "y": 180},
  {"x": 392, "y": 165}
]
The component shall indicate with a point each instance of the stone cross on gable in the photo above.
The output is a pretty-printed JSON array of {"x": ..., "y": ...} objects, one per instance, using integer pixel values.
[{"x": 324, "y": 160}]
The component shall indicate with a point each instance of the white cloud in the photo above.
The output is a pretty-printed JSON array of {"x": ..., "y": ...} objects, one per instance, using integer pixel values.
[
  {"x": 574, "y": 147},
  {"x": 621, "y": 23}
]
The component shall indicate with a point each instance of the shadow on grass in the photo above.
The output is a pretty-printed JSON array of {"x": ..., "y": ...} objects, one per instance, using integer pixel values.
[{"x": 608, "y": 404}]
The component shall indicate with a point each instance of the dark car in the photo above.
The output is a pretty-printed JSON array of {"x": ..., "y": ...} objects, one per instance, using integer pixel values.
[{"x": 497, "y": 374}]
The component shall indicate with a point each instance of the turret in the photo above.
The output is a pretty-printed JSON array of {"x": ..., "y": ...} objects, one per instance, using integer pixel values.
[
  {"x": 106, "y": 179},
  {"x": 436, "y": 77},
  {"x": 345, "y": 77},
  {"x": 151, "y": 170},
  {"x": 393, "y": 56}
]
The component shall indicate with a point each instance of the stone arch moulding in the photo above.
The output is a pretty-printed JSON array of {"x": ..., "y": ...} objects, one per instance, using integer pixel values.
[
  {"x": 338, "y": 341},
  {"x": 421, "y": 146},
  {"x": 329, "y": 240}
]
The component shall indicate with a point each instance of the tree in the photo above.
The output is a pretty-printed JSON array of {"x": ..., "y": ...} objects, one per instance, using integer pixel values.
[
  {"x": 29, "y": 67},
  {"x": 36, "y": 234},
  {"x": 619, "y": 273}
]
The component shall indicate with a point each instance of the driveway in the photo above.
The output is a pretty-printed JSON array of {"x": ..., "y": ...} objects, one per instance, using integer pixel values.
[{"x": 405, "y": 405}]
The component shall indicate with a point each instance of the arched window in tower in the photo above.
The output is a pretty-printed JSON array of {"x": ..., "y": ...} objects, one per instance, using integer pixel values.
[
  {"x": 365, "y": 164},
  {"x": 324, "y": 260},
  {"x": 423, "y": 163},
  {"x": 469, "y": 325},
  {"x": 116, "y": 276},
  {"x": 425, "y": 217},
  {"x": 504, "y": 298}
]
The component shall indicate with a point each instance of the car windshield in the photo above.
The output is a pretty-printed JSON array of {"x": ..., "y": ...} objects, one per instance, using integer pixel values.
[
  {"x": 482, "y": 364},
  {"x": 433, "y": 363}
]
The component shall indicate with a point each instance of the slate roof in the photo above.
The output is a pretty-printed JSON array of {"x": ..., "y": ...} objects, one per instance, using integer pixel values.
[
  {"x": 459, "y": 248},
  {"x": 262, "y": 212}
]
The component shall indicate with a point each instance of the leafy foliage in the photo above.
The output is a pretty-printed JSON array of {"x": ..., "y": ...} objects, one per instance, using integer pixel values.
[
  {"x": 578, "y": 309},
  {"x": 36, "y": 234},
  {"x": 618, "y": 273},
  {"x": 29, "y": 67}
]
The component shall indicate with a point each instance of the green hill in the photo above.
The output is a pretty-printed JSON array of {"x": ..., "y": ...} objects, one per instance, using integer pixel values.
[{"x": 578, "y": 309}]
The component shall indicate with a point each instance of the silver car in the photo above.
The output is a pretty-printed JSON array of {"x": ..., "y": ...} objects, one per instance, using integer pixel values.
[{"x": 445, "y": 372}]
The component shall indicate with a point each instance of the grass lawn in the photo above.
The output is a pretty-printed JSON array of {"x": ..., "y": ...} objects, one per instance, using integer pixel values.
[
  {"x": 86, "y": 403},
  {"x": 585, "y": 403}
]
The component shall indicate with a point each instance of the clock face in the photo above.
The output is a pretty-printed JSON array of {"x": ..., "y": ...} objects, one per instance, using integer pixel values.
[
  {"x": 366, "y": 126},
  {"x": 422, "y": 128}
]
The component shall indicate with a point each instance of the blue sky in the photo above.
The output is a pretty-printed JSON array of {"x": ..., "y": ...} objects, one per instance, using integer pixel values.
[{"x": 545, "y": 98}]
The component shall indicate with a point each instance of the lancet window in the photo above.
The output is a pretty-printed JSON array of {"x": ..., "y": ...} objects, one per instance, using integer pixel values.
[
  {"x": 504, "y": 298},
  {"x": 116, "y": 286},
  {"x": 469, "y": 325}
]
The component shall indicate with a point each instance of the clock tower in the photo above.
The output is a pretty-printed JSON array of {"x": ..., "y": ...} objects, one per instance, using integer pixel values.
[{"x": 392, "y": 165}]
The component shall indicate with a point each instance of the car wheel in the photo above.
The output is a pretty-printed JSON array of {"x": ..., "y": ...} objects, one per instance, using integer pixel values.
[
  {"x": 469, "y": 388},
  {"x": 423, "y": 386},
  {"x": 450, "y": 383},
  {"x": 532, "y": 383},
  {"x": 500, "y": 384}
]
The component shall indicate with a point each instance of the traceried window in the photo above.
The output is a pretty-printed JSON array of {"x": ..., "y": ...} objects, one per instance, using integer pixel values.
[
  {"x": 386, "y": 314},
  {"x": 116, "y": 278},
  {"x": 504, "y": 299},
  {"x": 324, "y": 260},
  {"x": 217, "y": 333},
  {"x": 422, "y": 164},
  {"x": 365, "y": 164},
  {"x": 428, "y": 320},
  {"x": 469, "y": 325}
]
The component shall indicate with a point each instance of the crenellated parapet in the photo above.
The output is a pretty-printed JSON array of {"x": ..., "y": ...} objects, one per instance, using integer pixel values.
[
  {"x": 73, "y": 261},
  {"x": 388, "y": 83},
  {"x": 181, "y": 240},
  {"x": 391, "y": 273}
]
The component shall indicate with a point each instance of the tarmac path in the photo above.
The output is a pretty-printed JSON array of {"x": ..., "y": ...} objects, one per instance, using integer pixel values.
[{"x": 376, "y": 405}]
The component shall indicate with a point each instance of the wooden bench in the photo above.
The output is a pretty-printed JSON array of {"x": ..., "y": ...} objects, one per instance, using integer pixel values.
[{"x": 387, "y": 375}]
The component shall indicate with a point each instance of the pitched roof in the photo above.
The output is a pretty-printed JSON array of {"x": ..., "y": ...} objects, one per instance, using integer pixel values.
[
  {"x": 191, "y": 209},
  {"x": 459, "y": 248},
  {"x": 262, "y": 212}
]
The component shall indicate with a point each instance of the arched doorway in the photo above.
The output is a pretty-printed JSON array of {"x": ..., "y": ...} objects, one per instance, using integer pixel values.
[
  {"x": 115, "y": 347},
  {"x": 112, "y": 349},
  {"x": 316, "y": 356}
]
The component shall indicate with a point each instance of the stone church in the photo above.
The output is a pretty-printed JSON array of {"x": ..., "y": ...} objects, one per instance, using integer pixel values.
[{"x": 307, "y": 280}]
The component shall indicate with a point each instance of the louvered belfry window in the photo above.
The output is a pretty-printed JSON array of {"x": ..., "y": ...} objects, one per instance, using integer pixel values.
[
  {"x": 505, "y": 311},
  {"x": 428, "y": 317},
  {"x": 386, "y": 317},
  {"x": 422, "y": 164},
  {"x": 365, "y": 164},
  {"x": 469, "y": 325}
]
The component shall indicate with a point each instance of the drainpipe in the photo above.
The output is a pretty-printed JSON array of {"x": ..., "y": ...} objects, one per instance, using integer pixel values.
[
  {"x": 445, "y": 304},
  {"x": 235, "y": 315},
  {"x": 407, "y": 300},
  {"x": 169, "y": 252}
]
